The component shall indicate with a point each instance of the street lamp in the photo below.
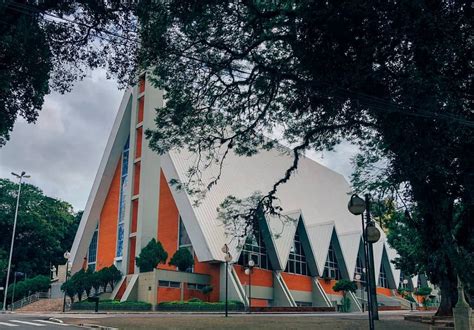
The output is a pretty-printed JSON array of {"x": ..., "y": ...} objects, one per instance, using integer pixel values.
[
  {"x": 248, "y": 271},
  {"x": 227, "y": 258},
  {"x": 67, "y": 256},
  {"x": 20, "y": 179},
  {"x": 370, "y": 235}
]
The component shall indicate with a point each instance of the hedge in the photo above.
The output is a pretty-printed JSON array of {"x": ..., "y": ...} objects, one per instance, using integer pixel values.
[
  {"x": 113, "y": 305},
  {"x": 199, "y": 306}
]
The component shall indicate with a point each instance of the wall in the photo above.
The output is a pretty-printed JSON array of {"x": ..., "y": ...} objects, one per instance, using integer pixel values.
[
  {"x": 108, "y": 223},
  {"x": 214, "y": 271},
  {"x": 327, "y": 286},
  {"x": 167, "y": 222},
  {"x": 260, "y": 277},
  {"x": 384, "y": 291},
  {"x": 298, "y": 282}
]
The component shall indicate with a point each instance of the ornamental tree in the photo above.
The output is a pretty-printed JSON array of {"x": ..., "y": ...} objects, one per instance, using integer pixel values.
[
  {"x": 183, "y": 259},
  {"x": 390, "y": 77},
  {"x": 151, "y": 256}
]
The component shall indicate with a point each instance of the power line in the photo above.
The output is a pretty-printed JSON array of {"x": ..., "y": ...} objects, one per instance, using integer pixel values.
[{"x": 374, "y": 102}]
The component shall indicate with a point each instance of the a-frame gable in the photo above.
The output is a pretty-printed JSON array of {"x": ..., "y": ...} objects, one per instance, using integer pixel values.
[
  {"x": 283, "y": 231},
  {"x": 392, "y": 254},
  {"x": 112, "y": 153},
  {"x": 350, "y": 246},
  {"x": 336, "y": 247},
  {"x": 320, "y": 237}
]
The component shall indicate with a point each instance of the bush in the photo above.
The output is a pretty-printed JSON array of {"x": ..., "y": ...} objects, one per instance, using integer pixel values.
[
  {"x": 113, "y": 305},
  {"x": 108, "y": 276},
  {"x": 150, "y": 256},
  {"x": 32, "y": 285},
  {"x": 183, "y": 259},
  {"x": 345, "y": 305},
  {"x": 423, "y": 291},
  {"x": 345, "y": 286}
]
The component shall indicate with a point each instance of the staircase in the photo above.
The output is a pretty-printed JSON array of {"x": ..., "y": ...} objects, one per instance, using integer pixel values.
[{"x": 43, "y": 305}]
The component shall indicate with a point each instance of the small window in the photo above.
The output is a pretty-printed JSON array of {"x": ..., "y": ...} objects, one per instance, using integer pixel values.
[
  {"x": 169, "y": 284},
  {"x": 192, "y": 286},
  {"x": 331, "y": 268},
  {"x": 164, "y": 283},
  {"x": 175, "y": 284}
]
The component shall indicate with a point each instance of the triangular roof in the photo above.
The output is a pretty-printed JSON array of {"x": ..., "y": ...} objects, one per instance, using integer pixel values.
[
  {"x": 392, "y": 254},
  {"x": 378, "y": 252},
  {"x": 283, "y": 231},
  {"x": 350, "y": 243},
  {"x": 320, "y": 237}
]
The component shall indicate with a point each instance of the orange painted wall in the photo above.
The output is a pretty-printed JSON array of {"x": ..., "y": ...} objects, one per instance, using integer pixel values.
[
  {"x": 167, "y": 221},
  {"x": 136, "y": 178},
  {"x": 260, "y": 277},
  {"x": 214, "y": 271},
  {"x": 384, "y": 291},
  {"x": 141, "y": 106},
  {"x": 169, "y": 294},
  {"x": 131, "y": 255},
  {"x": 327, "y": 286},
  {"x": 134, "y": 216},
  {"x": 108, "y": 223},
  {"x": 259, "y": 302},
  {"x": 121, "y": 290},
  {"x": 188, "y": 294},
  {"x": 298, "y": 282},
  {"x": 138, "y": 145}
]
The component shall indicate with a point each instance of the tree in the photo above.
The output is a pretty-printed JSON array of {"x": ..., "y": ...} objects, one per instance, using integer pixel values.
[
  {"x": 79, "y": 283},
  {"x": 42, "y": 50},
  {"x": 69, "y": 289},
  {"x": 345, "y": 286},
  {"x": 207, "y": 291},
  {"x": 96, "y": 282},
  {"x": 392, "y": 77},
  {"x": 183, "y": 259},
  {"x": 423, "y": 292},
  {"x": 43, "y": 222},
  {"x": 151, "y": 256},
  {"x": 114, "y": 276}
]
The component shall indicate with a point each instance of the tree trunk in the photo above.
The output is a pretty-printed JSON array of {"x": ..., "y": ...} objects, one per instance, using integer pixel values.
[{"x": 449, "y": 296}]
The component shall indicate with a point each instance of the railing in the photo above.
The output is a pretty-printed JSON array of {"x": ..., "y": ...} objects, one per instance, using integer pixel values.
[{"x": 28, "y": 300}]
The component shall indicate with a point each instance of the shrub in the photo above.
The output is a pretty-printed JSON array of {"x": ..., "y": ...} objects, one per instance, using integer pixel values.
[
  {"x": 423, "y": 291},
  {"x": 113, "y": 305},
  {"x": 199, "y": 306},
  {"x": 345, "y": 286},
  {"x": 69, "y": 289},
  {"x": 345, "y": 304},
  {"x": 183, "y": 259},
  {"x": 150, "y": 256},
  {"x": 32, "y": 285},
  {"x": 108, "y": 276}
]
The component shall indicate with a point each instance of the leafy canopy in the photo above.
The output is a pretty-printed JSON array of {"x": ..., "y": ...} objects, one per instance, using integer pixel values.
[
  {"x": 183, "y": 259},
  {"x": 151, "y": 256}
]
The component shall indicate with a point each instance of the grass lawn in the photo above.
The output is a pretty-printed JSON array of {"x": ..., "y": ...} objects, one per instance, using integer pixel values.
[{"x": 193, "y": 321}]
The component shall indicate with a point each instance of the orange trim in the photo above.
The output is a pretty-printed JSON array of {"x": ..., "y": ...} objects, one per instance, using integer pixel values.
[
  {"x": 138, "y": 145},
  {"x": 260, "y": 277},
  {"x": 131, "y": 255},
  {"x": 136, "y": 178},
  {"x": 108, "y": 223},
  {"x": 298, "y": 282},
  {"x": 134, "y": 216},
  {"x": 384, "y": 291},
  {"x": 327, "y": 286},
  {"x": 141, "y": 84},
  {"x": 167, "y": 221},
  {"x": 141, "y": 106},
  {"x": 121, "y": 290}
]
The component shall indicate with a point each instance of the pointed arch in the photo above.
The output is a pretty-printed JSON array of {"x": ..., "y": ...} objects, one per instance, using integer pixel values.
[{"x": 351, "y": 243}]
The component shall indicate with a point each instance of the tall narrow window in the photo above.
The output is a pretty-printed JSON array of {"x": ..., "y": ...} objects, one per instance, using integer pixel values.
[
  {"x": 383, "y": 277},
  {"x": 185, "y": 242},
  {"x": 92, "y": 253},
  {"x": 402, "y": 278},
  {"x": 297, "y": 259},
  {"x": 122, "y": 198},
  {"x": 359, "y": 270},
  {"x": 254, "y": 248},
  {"x": 331, "y": 268}
]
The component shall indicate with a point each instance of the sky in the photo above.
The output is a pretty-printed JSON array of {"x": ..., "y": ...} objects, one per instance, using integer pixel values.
[{"x": 62, "y": 151}]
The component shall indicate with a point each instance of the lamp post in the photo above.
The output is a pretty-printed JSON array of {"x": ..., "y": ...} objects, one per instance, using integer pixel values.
[
  {"x": 248, "y": 271},
  {"x": 20, "y": 179},
  {"x": 227, "y": 258},
  {"x": 67, "y": 255},
  {"x": 370, "y": 235}
]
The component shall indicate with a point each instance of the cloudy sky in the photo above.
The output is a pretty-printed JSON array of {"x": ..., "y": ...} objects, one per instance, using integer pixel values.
[{"x": 63, "y": 149}]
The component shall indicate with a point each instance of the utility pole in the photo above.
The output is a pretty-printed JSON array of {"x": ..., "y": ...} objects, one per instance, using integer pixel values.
[{"x": 20, "y": 177}]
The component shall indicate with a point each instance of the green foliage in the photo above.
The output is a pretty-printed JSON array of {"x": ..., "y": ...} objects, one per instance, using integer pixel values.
[
  {"x": 39, "y": 54},
  {"x": 29, "y": 286},
  {"x": 108, "y": 276},
  {"x": 183, "y": 259},
  {"x": 150, "y": 256},
  {"x": 345, "y": 286},
  {"x": 345, "y": 305},
  {"x": 113, "y": 305},
  {"x": 69, "y": 288},
  {"x": 194, "y": 300},
  {"x": 423, "y": 291},
  {"x": 45, "y": 228},
  {"x": 207, "y": 289}
]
